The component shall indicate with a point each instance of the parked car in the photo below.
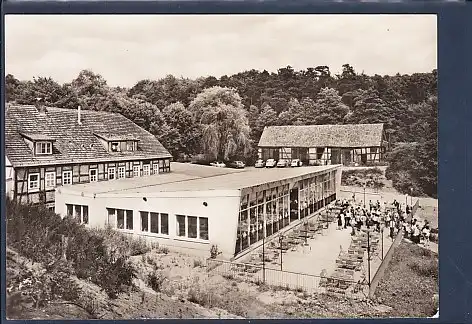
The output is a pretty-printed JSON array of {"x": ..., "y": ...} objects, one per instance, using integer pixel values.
[
  {"x": 282, "y": 163},
  {"x": 218, "y": 164},
  {"x": 259, "y": 164},
  {"x": 236, "y": 164},
  {"x": 296, "y": 163},
  {"x": 270, "y": 163}
]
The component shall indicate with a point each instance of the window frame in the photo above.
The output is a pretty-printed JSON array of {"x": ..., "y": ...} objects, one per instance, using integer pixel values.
[
  {"x": 69, "y": 172},
  {"x": 186, "y": 224},
  {"x": 114, "y": 173},
  {"x": 49, "y": 186},
  {"x": 138, "y": 173},
  {"x": 160, "y": 225},
  {"x": 117, "y": 147},
  {"x": 126, "y": 213},
  {"x": 96, "y": 175},
  {"x": 80, "y": 217},
  {"x": 130, "y": 146},
  {"x": 124, "y": 172},
  {"x": 30, "y": 189},
  {"x": 146, "y": 170},
  {"x": 38, "y": 148},
  {"x": 155, "y": 168}
]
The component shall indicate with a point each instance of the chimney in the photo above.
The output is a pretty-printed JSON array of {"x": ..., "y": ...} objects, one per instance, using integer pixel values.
[
  {"x": 39, "y": 104},
  {"x": 79, "y": 120}
]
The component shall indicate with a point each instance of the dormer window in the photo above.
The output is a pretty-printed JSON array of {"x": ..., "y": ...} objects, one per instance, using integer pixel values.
[
  {"x": 43, "y": 148},
  {"x": 118, "y": 143},
  {"x": 40, "y": 144}
]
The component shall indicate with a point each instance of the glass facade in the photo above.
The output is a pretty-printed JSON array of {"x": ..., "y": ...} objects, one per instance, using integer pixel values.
[{"x": 264, "y": 212}]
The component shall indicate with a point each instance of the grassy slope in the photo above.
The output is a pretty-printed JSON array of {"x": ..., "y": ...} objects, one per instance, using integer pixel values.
[{"x": 410, "y": 282}]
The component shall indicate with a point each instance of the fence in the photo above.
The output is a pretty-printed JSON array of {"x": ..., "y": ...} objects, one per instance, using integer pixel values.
[
  {"x": 388, "y": 257},
  {"x": 288, "y": 280}
]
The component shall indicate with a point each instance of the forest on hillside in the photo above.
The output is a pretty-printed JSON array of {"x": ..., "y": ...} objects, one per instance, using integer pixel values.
[{"x": 223, "y": 118}]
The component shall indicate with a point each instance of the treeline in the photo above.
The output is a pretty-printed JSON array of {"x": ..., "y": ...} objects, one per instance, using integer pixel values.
[{"x": 224, "y": 117}]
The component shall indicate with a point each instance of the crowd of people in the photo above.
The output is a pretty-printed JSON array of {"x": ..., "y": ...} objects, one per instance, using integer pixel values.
[{"x": 394, "y": 216}]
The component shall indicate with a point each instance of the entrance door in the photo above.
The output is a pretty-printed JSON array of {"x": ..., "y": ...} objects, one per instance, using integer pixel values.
[
  {"x": 364, "y": 158},
  {"x": 346, "y": 157},
  {"x": 335, "y": 156}
]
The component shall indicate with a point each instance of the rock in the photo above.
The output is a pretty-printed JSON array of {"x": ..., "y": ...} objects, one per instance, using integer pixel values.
[{"x": 382, "y": 308}]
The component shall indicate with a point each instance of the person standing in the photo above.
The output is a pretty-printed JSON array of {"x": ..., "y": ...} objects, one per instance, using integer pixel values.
[
  {"x": 392, "y": 228},
  {"x": 353, "y": 226},
  {"x": 347, "y": 219},
  {"x": 340, "y": 222}
]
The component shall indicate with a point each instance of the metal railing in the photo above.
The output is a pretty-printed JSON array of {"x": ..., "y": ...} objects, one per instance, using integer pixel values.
[{"x": 287, "y": 280}]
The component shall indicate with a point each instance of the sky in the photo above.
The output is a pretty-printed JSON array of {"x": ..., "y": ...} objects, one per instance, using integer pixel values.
[{"x": 127, "y": 48}]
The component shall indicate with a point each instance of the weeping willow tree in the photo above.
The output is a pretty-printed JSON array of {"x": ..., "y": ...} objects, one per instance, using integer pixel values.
[{"x": 225, "y": 127}]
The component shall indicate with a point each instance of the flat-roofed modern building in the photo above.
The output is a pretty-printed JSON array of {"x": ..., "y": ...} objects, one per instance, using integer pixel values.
[{"x": 194, "y": 207}]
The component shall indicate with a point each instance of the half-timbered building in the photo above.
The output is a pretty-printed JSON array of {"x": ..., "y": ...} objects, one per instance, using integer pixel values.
[
  {"x": 47, "y": 147},
  {"x": 325, "y": 144}
]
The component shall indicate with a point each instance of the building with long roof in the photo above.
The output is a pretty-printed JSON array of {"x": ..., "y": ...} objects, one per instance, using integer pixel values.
[
  {"x": 325, "y": 144},
  {"x": 49, "y": 147},
  {"x": 193, "y": 207}
]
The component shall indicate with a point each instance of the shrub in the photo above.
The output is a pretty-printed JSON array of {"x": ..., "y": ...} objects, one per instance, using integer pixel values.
[
  {"x": 163, "y": 250},
  {"x": 214, "y": 251},
  {"x": 36, "y": 233},
  {"x": 228, "y": 276},
  {"x": 156, "y": 280},
  {"x": 197, "y": 263}
]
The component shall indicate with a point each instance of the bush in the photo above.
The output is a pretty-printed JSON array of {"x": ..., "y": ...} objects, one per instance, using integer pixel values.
[
  {"x": 197, "y": 263},
  {"x": 372, "y": 178},
  {"x": 37, "y": 233},
  {"x": 156, "y": 280}
]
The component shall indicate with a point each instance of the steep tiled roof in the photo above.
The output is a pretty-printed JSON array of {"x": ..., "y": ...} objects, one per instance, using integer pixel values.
[
  {"x": 74, "y": 143},
  {"x": 351, "y": 135}
]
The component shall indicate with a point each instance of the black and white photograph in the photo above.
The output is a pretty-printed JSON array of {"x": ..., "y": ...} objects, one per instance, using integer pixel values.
[{"x": 221, "y": 166}]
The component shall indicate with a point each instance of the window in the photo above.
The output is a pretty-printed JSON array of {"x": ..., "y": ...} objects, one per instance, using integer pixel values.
[
  {"x": 93, "y": 175},
  {"x": 33, "y": 181},
  {"x": 144, "y": 221},
  {"x": 120, "y": 218},
  {"x": 111, "y": 173},
  {"x": 115, "y": 147},
  {"x": 124, "y": 218},
  {"x": 203, "y": 228},
  {"x": 130, "y": 146},
  {"x": 150, "y": 222},
  {"x": 43, "y": 148},
  {"x": 121, "y": 172},
  {"x": 129, "y": 219},
  {"x": 67, "y": 177},
  {"x": 164, "y": 224},
  {"x": 79, "y": 212},
  {"x": 192, "y": 227},
  {"x": 155, "y": 168},
  {"x": 154, "y": 222},
  {"x": 69, "y": 209},
  {"x": 136, "y": 172},
  {"x": 146, "y": 169},
  {"x": 180, "y": 225},
  {"x": 50, "y": 179}
]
